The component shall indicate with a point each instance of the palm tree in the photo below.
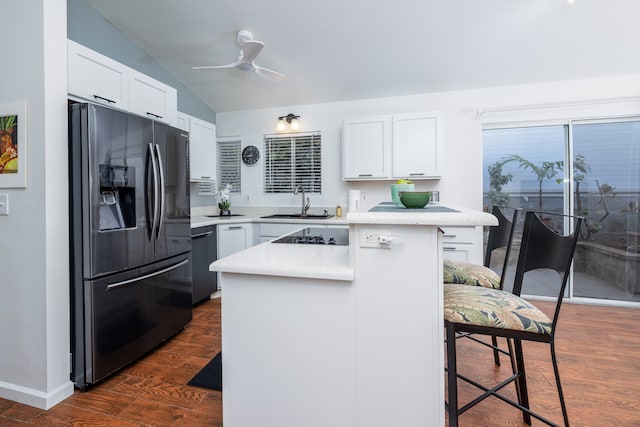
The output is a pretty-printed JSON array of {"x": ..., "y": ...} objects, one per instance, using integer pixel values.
[{"x": 542, "y": 170}]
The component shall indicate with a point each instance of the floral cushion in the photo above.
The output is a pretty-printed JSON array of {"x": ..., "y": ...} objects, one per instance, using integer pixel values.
[
  {"x": 464, "y": 273},
  {"x": 494, "y": 308}
]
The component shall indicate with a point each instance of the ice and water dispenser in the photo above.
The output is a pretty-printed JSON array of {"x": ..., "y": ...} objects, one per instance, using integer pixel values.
[{"x": 117, "y": 197}]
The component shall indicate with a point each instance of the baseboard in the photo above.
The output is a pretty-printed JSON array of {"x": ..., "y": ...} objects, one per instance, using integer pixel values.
[{"x": 36, "y": 398}]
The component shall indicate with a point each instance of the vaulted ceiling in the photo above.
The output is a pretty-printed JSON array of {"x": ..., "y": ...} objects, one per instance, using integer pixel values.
[{"x": 336, "y": 50}]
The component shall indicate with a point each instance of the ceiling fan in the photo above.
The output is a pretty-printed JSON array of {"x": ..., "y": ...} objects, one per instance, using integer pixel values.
[{"x": 249, "y": 49}]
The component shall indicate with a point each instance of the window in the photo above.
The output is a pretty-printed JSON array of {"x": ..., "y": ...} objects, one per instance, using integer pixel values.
[
  {"x": 229, "y": 165},
  {"x": 290, "y": 160}
]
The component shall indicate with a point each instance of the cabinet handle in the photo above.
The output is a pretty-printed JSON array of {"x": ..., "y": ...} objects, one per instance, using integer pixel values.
[
  {"x": 104, "y": 99},
  {"x": 449, "y": 236},
  {"x": 239, "y": 227},
  {"x": 417, "y": 174},
  {"x": 153, "y": 115},
  {"x": 365, "y": 174},
  {"x": 446, "y": 248},
  {"x": 208, "y": 233}
]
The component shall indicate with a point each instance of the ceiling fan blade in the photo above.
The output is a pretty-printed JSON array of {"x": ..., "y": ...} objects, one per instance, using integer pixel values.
[
  {"x": 209, "y": 67},
  {"x": 269, "y": 74},
  {"x": 251, "y": 49}
]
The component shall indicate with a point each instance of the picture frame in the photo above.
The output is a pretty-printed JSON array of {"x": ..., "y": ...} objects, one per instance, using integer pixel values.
[{"x": 13, "y": 144}]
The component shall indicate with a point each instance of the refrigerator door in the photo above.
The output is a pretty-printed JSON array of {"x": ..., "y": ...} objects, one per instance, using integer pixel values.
[
  {"x": 173, "y": 232},
  {"x": 128, "y": 314},
  {"x": 116, "y": 227}
]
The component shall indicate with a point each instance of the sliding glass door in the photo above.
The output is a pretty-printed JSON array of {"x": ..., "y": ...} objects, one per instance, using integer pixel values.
[{"x": 589, "y": 168}]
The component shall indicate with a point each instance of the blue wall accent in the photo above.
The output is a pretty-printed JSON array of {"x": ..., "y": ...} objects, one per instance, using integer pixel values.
[{"x": 87, "y": 27}]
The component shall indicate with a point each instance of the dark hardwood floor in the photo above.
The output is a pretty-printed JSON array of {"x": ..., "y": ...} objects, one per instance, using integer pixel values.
[{"x": 598, "y": 351}]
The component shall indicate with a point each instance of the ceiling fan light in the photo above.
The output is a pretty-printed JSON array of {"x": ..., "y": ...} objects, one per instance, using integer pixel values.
[
  {"x": 294, "y": 124},
  {"x": 280, "y": 124}
]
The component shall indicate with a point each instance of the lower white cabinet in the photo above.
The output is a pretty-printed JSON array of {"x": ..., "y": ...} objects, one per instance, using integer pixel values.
[
  {"x": 234, "y": 238},
  {"x": 458, "y": 244}
]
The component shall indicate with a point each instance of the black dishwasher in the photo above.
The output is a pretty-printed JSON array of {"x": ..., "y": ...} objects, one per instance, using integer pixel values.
[{"x": 203, "y": 252}]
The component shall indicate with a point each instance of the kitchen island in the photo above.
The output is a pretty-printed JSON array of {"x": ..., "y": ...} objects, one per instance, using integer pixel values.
[{"x": 319, "y": 335}]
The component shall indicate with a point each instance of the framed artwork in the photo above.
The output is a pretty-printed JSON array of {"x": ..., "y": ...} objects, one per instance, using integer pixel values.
[{"x": 13, "y": 144}]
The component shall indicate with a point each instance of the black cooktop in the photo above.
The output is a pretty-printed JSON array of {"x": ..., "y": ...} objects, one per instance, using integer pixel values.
[{"x": 317, "y": 236}]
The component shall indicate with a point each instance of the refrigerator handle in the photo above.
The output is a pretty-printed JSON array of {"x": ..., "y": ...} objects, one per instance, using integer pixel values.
[
  {"x": 161, "y": 200},
  {"x": 147, "y": 276},
  {"x": 154, "y": 165}
]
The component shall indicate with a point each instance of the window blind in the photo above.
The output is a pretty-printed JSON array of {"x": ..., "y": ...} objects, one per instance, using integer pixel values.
[
  {"x": 229, "y": 165},
  {"x": 290, "y": 160}
]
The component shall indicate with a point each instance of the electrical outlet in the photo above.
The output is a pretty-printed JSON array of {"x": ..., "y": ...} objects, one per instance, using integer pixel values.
[
  {"x": 4, "y": 204},
  {"x": 374, "y": 238}
]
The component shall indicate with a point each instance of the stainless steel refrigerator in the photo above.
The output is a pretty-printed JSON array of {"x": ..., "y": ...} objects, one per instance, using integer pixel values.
[{"x": 130, "y": 242}]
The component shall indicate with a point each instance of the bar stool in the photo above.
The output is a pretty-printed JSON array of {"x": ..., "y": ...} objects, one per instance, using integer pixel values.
[
  {"x": 500, "y": 236},
  {"x": 495, "y": 312}
]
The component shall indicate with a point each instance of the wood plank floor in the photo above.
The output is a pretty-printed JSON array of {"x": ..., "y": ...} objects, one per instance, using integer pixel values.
[{"x": 598, "y": 351}]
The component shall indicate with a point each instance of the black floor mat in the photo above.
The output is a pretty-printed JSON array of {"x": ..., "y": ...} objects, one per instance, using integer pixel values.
[{"x": 210, "y": 376}]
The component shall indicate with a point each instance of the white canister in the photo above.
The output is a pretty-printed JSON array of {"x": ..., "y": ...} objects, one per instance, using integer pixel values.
[{"x": 354, "y": 200}]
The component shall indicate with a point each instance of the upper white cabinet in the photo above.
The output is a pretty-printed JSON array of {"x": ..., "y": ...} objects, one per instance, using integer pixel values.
[
  {"x": 96, "y": 77},
  {"x": 366, "y": 148},
  {"x": 99, "y": 78},
  {"x": 394, "y": 146},
  {"x": 202, "y": 147},
  {"x": 152, "y": 98}
]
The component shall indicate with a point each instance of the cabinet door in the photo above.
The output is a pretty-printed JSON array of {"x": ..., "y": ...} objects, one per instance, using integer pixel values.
[
  {"x": 233, "y": 238},
  {"x": 458, "y": 244},
  {"x": 365, "y": 143},
  {"x": 183, "y": 121},
  {"x": 96, "y": 77},
  {"x": 152, "y": 98},
  {"x": 417, "y": 145},
  {"x": 202, "y": 150}
]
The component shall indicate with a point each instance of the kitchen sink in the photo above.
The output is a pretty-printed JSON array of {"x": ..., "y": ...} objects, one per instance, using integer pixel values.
[{"x": 297, "y": 216}]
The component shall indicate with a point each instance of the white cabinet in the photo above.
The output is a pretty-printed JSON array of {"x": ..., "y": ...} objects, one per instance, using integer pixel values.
[
  {"x": 100, "y": 79},
  {"x": 152, "y": 98},
  {"x": 96, "y": 77},
  {"x": 366, "y": 147},
  {"x": 394, "y": 146},
  {"x": 417, "y": 146},
  {"x": 458, "y": 244},
  {"x": 202, "y": 147},
  {"x": 234, "y": 238}
]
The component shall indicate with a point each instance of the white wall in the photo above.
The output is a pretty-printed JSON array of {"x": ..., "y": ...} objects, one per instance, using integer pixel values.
[
  {"x": 34, "y": 282},
  {"x": 462, "y": 181}
]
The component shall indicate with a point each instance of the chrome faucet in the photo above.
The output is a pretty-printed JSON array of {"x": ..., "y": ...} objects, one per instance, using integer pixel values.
[{"x": 305, "y": 206}]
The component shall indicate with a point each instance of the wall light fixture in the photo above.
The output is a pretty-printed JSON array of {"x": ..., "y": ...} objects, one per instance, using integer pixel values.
[{"x": 290, "y": 119}]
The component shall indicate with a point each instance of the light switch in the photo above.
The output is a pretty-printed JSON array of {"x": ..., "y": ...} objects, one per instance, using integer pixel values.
[{"x": 4, "y": 204}]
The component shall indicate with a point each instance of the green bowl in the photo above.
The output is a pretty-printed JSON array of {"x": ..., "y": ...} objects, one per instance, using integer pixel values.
[{"x": 414, "y": 199}]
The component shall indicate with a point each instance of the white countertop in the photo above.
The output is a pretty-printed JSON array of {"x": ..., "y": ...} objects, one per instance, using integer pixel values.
[
  {"x": 203, "y": 220},
  {"x": 430, "y": 215},
  {"x": 323, "y": 261},
  {"x": 280, "y": 259}
]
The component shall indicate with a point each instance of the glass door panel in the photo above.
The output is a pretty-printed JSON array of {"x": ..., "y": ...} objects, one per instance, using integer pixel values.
[
  {"x": 524, "y": 168},
  {"x": 607, "y": 195}
]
